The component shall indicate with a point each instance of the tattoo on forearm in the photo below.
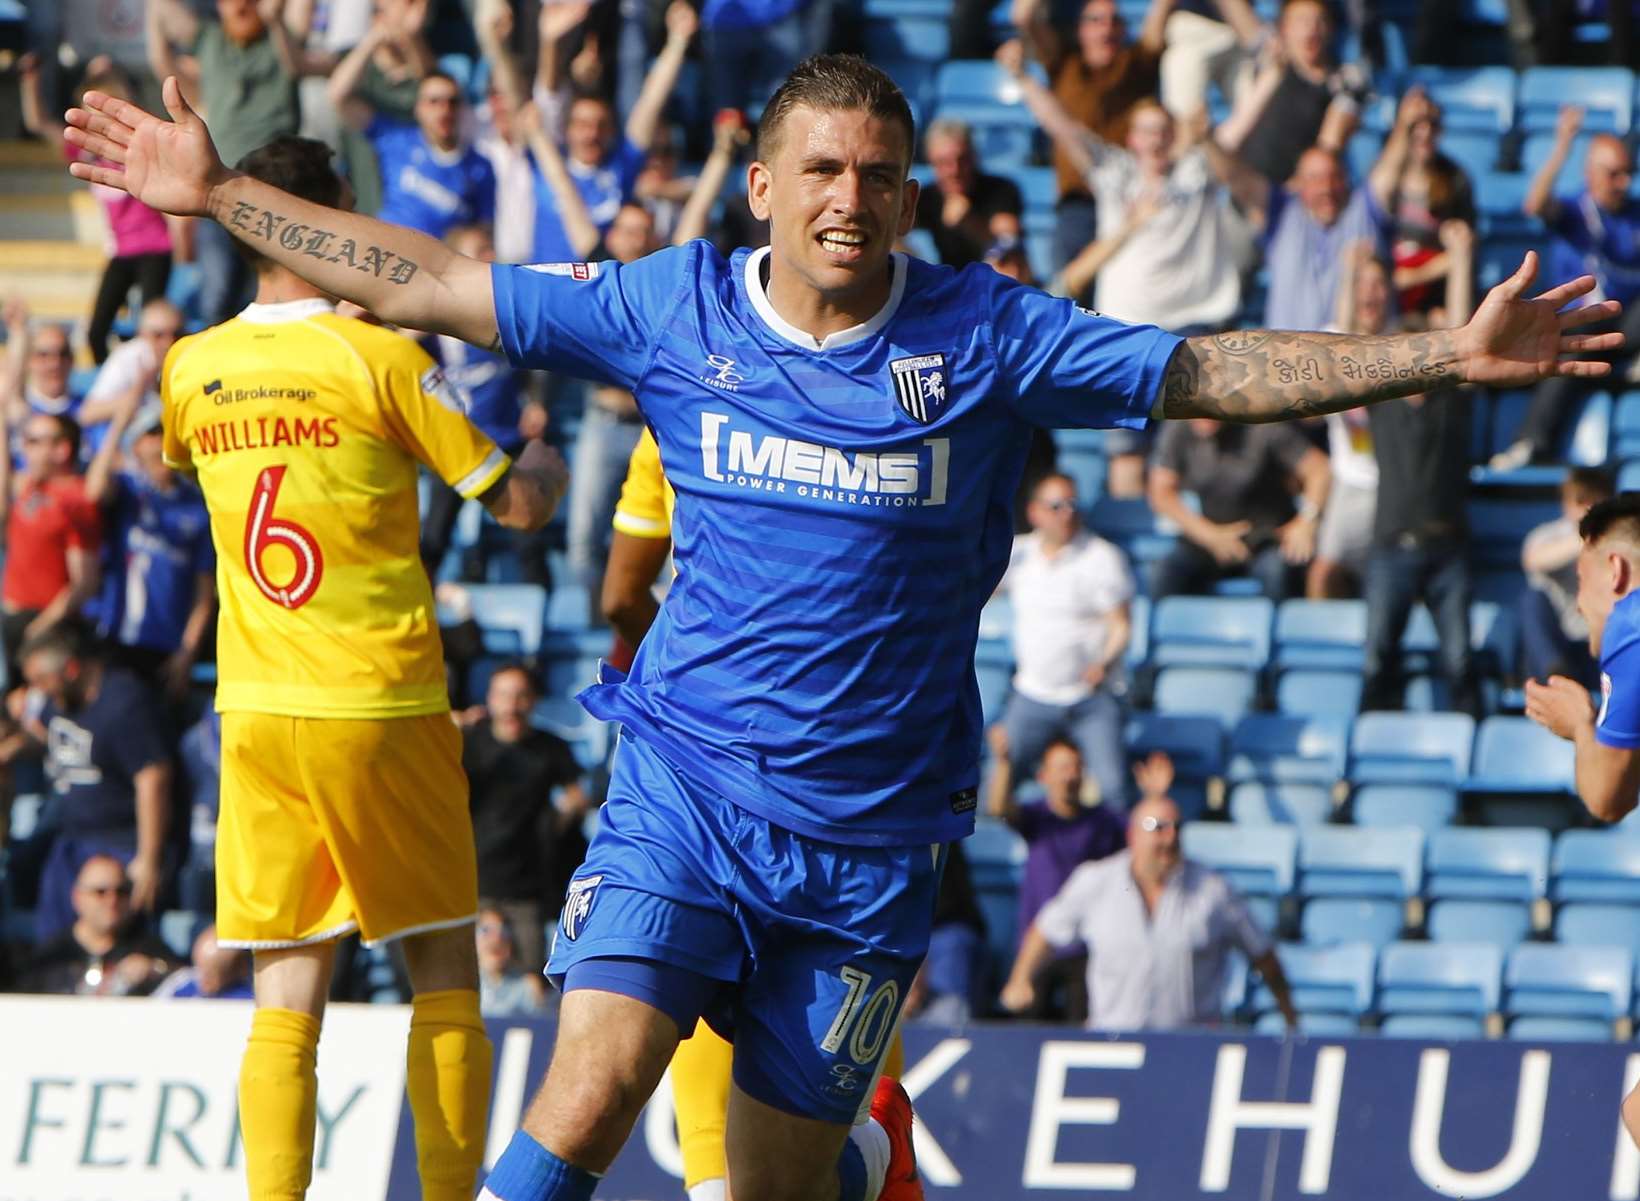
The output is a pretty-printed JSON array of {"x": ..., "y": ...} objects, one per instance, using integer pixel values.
[
  {"x": 257, "y": 224},
  {"x": 1264, "y": 375}
]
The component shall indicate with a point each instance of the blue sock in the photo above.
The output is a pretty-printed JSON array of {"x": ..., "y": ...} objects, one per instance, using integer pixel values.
[
  {"x": 851, "y": 1174},
  {"x": 527, "y": 1171}
]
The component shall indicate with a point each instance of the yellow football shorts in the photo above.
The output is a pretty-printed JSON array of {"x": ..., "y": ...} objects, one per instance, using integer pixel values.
[
  {"x": 328, "y": 825},
  {"x": 701, "y": 1073}
]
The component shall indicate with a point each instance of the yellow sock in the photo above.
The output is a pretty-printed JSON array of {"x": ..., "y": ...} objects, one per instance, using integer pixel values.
[
  {"x": 278, "y": 1090},
  {"x": 448, "y": 1078}
]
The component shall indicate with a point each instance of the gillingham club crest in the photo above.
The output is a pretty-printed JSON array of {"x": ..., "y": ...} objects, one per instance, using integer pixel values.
[
  {"x": 578, "y": 905},
  {"x": 919, "y": 385}
]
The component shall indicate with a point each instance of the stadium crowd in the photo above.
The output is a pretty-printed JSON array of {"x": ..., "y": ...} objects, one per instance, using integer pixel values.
[{"x": 1203, "y": 165}]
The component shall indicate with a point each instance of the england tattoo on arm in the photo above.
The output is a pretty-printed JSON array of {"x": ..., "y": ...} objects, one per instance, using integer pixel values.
[
  {"x": 1268, "y": 375},
  {"x": 256, "y": 224}
]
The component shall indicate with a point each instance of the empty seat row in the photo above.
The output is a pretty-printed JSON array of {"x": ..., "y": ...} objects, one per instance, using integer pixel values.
[
  {"x": 1546, "y": 990},
  {"x": 1398, "y": 863}
]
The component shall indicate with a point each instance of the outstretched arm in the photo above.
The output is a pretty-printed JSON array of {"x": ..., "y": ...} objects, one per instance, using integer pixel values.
[
  {"x": 728, "y": 136},
  {"x": 1275, "y": 375},
  {"x": 1079, "y": 143},
  {"x": 402, "y": 276}
]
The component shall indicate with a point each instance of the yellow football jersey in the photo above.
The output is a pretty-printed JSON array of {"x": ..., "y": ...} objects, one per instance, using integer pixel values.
[
  {"x": 305, "y": 429},
  {"x": 647, "y": 499}
]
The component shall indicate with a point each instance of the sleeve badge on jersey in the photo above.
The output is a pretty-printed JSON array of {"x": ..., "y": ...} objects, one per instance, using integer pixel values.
[
  {"x": 445, "y": 390},
  {"x": 919, "y": 386},
  {"x": 576, "y": 271}
]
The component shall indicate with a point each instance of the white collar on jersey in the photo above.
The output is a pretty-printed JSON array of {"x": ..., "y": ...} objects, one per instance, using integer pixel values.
[
  {"x": 287, "y": 310},
  {"x": 843, "y": 337}
]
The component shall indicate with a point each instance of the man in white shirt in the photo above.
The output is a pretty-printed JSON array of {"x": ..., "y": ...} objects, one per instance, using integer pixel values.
[
  {"x": 1157, "y": 927},
  {"x": 1071, "y": 594},
  {"x": 131, "y": 368}
]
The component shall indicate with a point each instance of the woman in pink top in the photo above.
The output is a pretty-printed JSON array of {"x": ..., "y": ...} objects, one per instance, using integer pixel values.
[{"x": 141, "y": 249}]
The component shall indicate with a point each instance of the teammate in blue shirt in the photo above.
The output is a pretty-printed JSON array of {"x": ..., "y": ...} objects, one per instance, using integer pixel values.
[
  {"x": 845, "y": 429},
  {"x": 432, "y": 179},
  {"x": 1608, "y": 738},
  {"x": 159, "y": 586}
]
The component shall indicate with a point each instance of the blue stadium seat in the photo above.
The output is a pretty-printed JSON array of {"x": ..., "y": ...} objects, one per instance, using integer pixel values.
[
  {"x": 570, "y": 607},
  {"x": 1039, "y": 188},
  {"x": 1429, "y": 807},
  {"x": 1223, "y": 693},
  {"x": 1087, "y": 471},
  {"x": 1628, "y": 476},
  {"x": 996, "y": 619},
  {"x": 1335, "y": 979},
  {"x": 1324, "y": 634},
  {"x": 1350, "y": 919},
  {"x": 1595, "y": 925},
  {"x": 1133, "y": 526},
  {"x": 1494, "y": 865},
  {"x": 996, "y": 861},
  {"x": 563, "y": 675},
  {"x": 920, "y": 243},
  {"x": 1411, "y": 748},
  {"x": 1502, "y": 924},
  {"x": 907, "y": 29},
  {"x": 1560, "y": 1030},
  {"x": 1499, "y": 200},
  {"x": 1311, "y": 1025},
  {"x": 1546, "y": 979},
  {"x": 1516, "y": 755},
  {"x": 1138, "y": 650},
  {"x": 1478, "y": 99},
  {"x": 1475, "y": 150},
  {"x": 1270, "y": 746},
  {"x": 1432, "y": 1026},
  {"x": 1207, "y": 631},
  {"x": 996, "y": 854},
  {"x": 1596, "y": 865},
  {"x": 1346, "y": 861},
  {"x": 1450, "y": 978},
  {"x": 564, "y": 716},
  {"x": 1605, "y": 94},
  {"x": 1321, "y": 693},
  {"x": 1254, "y": 803},
  {"x": 1626, "y": 426},
  {"x": 1500, "y": 255},
  {"x": 1258, "y": 861},
  {"x": 994, "y": 669},
  {"x": 511, "y": 617},
  {"x": 991, "y": 103},
  {"x": 177, "y": 928}
]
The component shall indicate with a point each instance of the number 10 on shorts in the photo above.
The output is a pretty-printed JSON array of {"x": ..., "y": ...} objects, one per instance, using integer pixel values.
[{"x": 868, "y": 1014}]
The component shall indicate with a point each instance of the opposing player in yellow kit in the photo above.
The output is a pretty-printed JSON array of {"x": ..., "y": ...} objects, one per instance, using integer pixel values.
[
  {"x": 702, "y": 1065},
  {"x": 343, "y": 802}
]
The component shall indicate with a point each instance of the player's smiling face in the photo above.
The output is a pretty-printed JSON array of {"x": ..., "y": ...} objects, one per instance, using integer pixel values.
[{"x": 836, "y": 197}]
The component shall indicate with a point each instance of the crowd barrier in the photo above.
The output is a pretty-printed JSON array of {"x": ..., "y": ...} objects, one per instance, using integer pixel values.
[{"x": 135, "y": 1101}]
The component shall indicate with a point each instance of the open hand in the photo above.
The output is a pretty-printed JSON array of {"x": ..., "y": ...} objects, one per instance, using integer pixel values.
[
  {"x": 1297, "y": 540},
  {"x": 560, "y": 18},
  {"x": 1511, "y": 342},
  {"x": 168, "y": 165}
]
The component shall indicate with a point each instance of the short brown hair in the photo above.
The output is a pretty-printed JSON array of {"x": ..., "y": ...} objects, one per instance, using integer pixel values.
[
  {"x": 300, "y": 166},
  {"x": 835, "y": 82}
]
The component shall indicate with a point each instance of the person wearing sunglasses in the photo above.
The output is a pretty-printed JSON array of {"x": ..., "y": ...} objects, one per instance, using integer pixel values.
[
  {"x": 1158, "y": 929},
  {"x": 39, "y": 368},
  {"x": 107, "y": 951}
]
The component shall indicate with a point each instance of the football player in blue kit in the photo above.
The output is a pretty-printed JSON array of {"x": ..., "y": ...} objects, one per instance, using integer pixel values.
[
  {"x": 1607, "y": 738},
  {"x": 845, "y": 428}
]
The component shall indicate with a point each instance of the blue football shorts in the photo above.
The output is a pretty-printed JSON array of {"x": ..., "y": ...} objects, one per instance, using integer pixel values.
[{"x": 799, "y": 951}]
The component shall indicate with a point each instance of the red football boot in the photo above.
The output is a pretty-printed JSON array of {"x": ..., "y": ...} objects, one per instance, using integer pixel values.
[{"x": 891, "y": 1108}]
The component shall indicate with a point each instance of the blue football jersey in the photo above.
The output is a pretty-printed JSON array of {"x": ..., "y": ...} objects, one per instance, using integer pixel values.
[
  {"x": 161, "y": 544},
  {"x": 1618, "y": 724},
  {"x": 426, "y": 188},
  {"x": 844, "y": 509}
]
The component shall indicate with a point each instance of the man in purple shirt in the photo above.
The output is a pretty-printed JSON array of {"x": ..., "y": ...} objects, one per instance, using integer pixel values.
[{"x": 1060, "y": 834}]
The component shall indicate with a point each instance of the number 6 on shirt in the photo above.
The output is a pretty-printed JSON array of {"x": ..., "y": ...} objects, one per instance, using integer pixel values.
[{"x": 263, "y": 530}]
